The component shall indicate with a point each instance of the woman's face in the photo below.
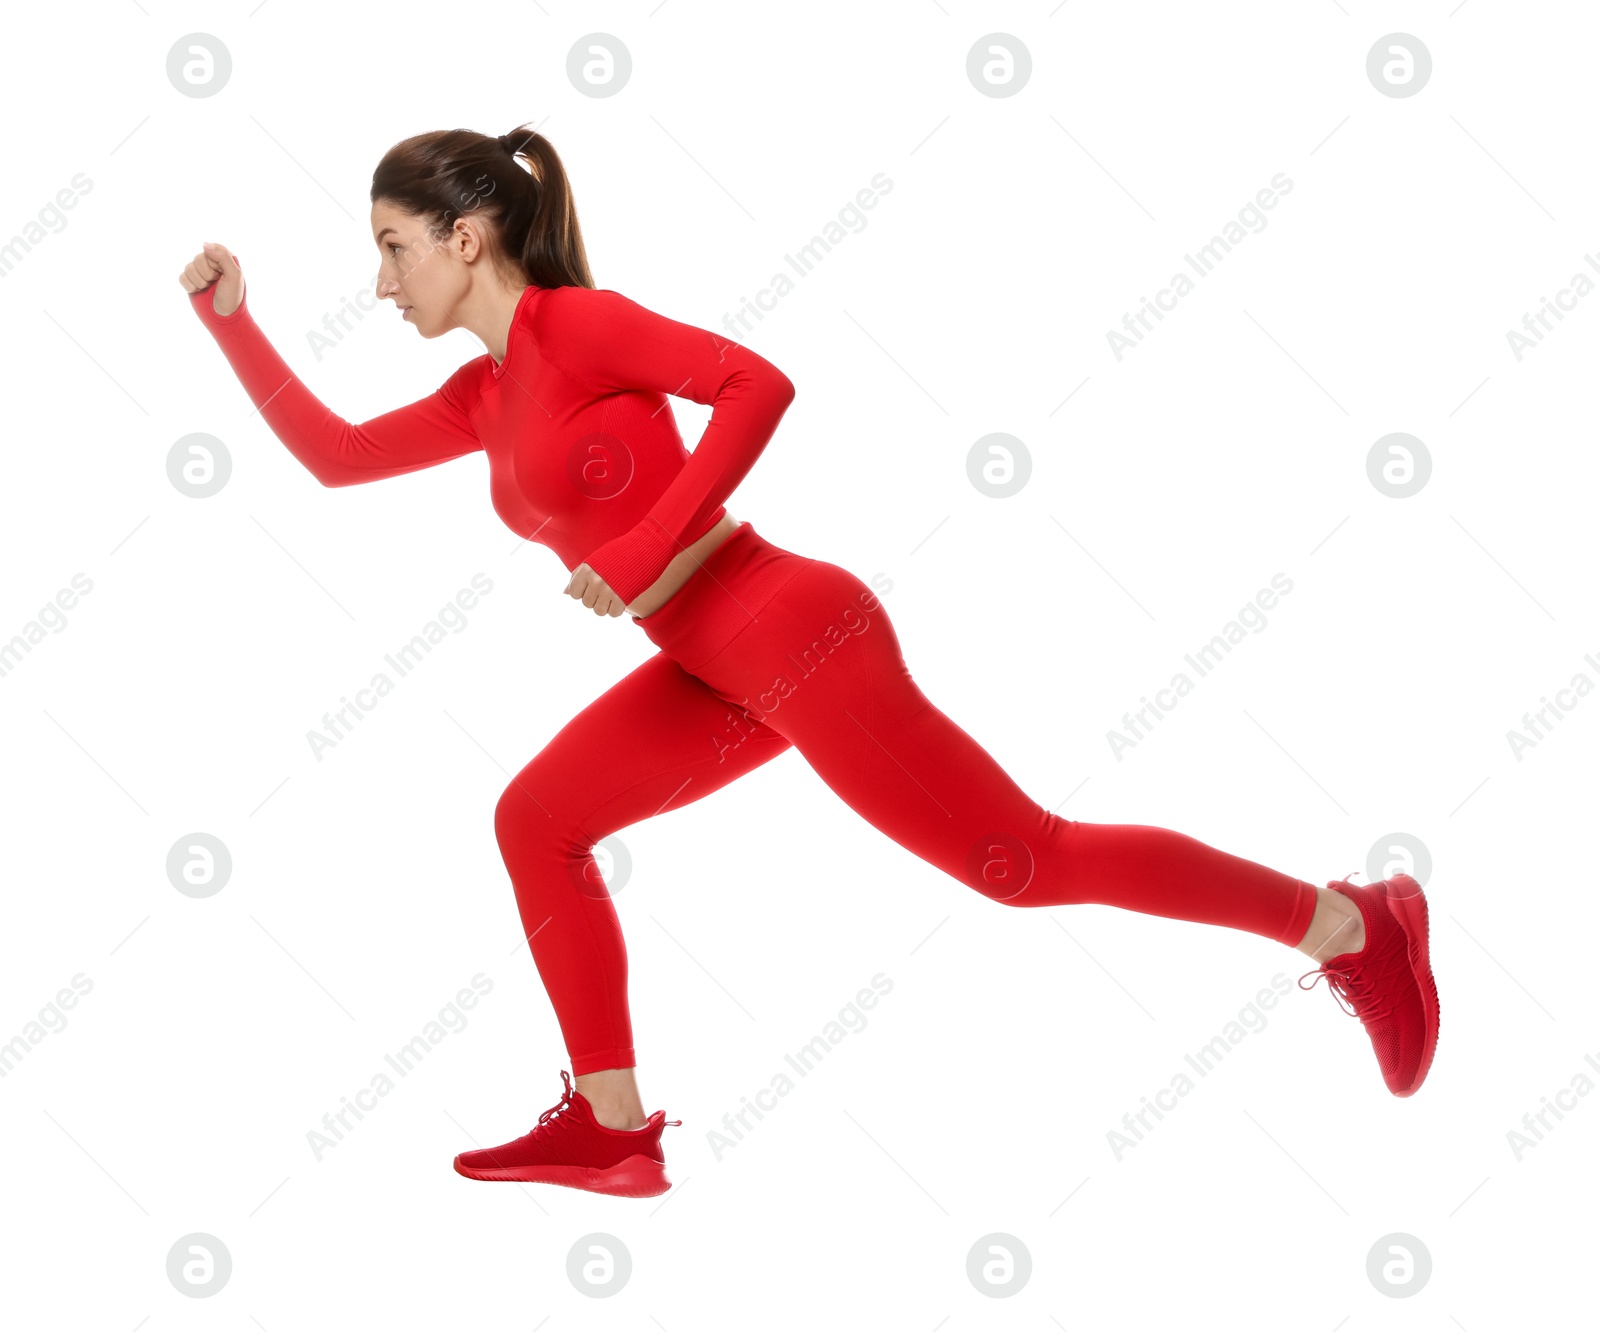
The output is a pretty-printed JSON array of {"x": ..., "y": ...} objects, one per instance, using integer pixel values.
[{"x": 426, "y": 280}]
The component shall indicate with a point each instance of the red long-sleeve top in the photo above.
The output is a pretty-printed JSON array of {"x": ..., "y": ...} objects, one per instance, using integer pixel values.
[{"x": 584, "y": 452}]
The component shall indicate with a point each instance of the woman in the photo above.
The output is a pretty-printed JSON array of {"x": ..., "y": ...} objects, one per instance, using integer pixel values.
[{"x": 759, "y": 649}]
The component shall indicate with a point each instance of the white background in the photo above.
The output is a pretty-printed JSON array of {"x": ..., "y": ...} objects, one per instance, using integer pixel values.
[{"x": 367, "y": 888}]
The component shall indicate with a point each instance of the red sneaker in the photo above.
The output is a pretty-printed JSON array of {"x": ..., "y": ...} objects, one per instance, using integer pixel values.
[
  {"x": 1389, "y": 983},
  {"x": 570, "y": 1146}
]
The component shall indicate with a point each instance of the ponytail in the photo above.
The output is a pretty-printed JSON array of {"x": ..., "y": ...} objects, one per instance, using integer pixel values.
[{"x": 446, "y": 174}]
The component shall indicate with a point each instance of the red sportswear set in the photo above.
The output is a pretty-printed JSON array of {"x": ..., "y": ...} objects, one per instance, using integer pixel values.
[{"x": 759, "y": 650}]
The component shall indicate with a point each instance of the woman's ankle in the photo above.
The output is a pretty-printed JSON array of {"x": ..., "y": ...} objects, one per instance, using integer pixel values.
[
  {"x": 613, "y": 1095},
  {"x": 1336, "y": 927},
  {"x": 612, "y": 1115}
]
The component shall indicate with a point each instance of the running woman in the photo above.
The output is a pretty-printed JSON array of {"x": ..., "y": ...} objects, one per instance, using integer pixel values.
[{"x": 757, "y": 648}]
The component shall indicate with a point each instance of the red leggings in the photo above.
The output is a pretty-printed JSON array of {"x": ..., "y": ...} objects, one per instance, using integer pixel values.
[{"x": 762, "y": 649}]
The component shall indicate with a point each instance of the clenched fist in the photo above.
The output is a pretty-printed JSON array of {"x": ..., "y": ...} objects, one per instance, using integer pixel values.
[
  {"x": 588, "y": 587},
  {"x": 215, "y": 263}
]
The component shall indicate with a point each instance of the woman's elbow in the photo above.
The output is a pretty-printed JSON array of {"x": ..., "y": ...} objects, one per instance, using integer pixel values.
[{"x": 335, "y": 476}]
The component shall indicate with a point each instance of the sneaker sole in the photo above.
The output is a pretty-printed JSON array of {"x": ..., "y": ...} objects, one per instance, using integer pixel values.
[
  {"x": 636, "y": 1177},
  {"x": 1410, "y": 909}
]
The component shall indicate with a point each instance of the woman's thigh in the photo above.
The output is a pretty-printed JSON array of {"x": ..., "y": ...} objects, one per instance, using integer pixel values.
[
  {"x": 658, "y": 739},
  {"x": 822, "y": 666}
]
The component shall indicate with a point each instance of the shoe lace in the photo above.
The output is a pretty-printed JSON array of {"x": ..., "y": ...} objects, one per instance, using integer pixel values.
[
  {"x": 558, "y": 1115},
  {"x": 1362, "y": 986},
  {"x": 554, "y": 1115}
]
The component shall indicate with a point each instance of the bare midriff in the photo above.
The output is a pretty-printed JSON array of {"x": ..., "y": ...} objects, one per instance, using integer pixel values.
[{"x": 683, "y": 564}]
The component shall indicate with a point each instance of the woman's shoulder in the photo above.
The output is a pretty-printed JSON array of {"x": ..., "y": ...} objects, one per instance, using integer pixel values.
[
  {"x": 467, "y": 382},
  {"x": 556, "y": 308}
]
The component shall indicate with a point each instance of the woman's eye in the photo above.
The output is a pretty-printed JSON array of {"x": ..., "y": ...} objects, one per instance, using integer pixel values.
[{"x": 393, "y": 247}]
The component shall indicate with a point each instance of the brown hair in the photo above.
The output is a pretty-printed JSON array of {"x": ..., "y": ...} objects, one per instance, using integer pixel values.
[{"x": 445, "y": 174}]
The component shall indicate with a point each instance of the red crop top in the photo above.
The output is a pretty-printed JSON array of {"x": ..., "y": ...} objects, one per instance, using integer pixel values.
[{"x": 584, "y": 452}]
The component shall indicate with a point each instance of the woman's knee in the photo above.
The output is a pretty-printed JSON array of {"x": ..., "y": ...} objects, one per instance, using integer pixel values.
[
  {"x": 529, "y": 813},
  {"x": 546, "y": 850},
  {"x": 1005, "y": 868},
  {"x": 514, "y": 810}
]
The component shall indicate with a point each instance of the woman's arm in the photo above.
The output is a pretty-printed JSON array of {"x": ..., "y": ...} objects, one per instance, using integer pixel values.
[
  {"x": 430, "y": 430},
  {"x": 609, "y": 342}
]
